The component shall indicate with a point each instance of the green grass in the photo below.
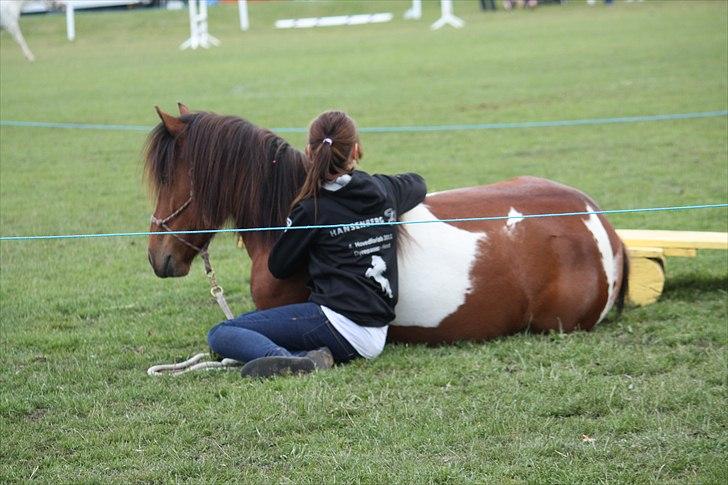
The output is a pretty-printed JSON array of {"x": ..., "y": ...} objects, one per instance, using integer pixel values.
[{"x": 82, "y": 320}]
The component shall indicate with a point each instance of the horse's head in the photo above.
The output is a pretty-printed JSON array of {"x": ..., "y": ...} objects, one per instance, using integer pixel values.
[
  {"x": 170, "y": 180},
  {"x": 205, "y": 170}
]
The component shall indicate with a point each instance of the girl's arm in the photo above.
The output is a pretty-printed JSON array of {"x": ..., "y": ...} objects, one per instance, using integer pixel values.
[
  {"x": 409, "y": 190},
  {"x": 292, "y": 249}
]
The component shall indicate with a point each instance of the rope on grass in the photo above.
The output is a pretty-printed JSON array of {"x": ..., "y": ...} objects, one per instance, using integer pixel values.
[
  {"x": 406, "y": 129},
  {"x": 192, "y": 364},
  {"x": 367, "y": 224}
]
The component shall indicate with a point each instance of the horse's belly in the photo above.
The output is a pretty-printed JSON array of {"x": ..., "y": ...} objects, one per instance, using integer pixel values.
[{"x": 434, "y": 269}]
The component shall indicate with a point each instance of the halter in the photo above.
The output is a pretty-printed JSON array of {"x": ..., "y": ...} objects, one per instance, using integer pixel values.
[{"x": 215, "y": 289}]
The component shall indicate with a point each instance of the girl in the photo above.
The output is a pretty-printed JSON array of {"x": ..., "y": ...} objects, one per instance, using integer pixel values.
[{"x": 352, "y": 267}]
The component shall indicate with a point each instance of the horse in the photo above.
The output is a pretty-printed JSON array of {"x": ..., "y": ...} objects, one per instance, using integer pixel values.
[
  {"x": 9, "y": 17},
  {"x": 469, "y": 280}
]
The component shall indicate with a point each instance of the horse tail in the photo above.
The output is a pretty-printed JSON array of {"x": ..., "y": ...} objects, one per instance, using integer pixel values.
[{"x": 624, "y": 287}]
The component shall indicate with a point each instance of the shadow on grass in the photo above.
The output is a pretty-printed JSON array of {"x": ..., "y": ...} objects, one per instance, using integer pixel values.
[{"x": 690, "y": 287}]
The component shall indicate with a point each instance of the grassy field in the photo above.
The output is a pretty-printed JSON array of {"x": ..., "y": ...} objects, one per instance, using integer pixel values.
[{"x": 81, "y": 320}]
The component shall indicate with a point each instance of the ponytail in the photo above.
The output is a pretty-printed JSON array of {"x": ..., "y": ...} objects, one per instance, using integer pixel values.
[{"x": 332, "y": 142}]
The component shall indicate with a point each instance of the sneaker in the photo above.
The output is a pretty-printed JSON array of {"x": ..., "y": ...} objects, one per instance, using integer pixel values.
[
  {"x": 276, "y": 366},
  {"x": 321, "y": 358}
]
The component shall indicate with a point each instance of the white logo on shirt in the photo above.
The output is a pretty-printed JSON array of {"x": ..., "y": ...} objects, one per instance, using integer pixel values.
[
  {"x": 375, "y": 272},
  {"x": 391, "y": 215}
]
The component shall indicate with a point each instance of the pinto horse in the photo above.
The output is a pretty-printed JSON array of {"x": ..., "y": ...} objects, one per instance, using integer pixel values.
[{"x": 458, "y": 281}]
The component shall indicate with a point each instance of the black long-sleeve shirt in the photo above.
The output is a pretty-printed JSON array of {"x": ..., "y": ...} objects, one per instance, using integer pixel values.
[{"x": 352, "y": 268}]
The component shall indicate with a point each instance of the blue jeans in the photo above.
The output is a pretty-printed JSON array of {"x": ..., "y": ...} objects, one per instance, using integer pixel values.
[{"x": 287, "y": 330}]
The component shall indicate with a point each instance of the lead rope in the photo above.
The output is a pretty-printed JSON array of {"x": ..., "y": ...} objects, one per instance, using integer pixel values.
[
  {"x": 196, "y": 362},
  {"x": 215, "y": 289},
  {"x": 191, "y": 364}
]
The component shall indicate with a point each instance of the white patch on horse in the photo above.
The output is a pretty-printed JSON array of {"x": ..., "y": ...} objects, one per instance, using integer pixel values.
[
  {"x": 514, "y": 217},
  {"x": 434, "y": 269},
  {"x": 609, "y": 262},
  {"x": 376, "y": 271}
]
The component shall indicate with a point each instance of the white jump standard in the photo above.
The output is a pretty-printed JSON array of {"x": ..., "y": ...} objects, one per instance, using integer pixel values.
[
  {"x": 447, "y": 17},
  {"x": 415, "y": 11},
  {"x": 199, "y": 36}
]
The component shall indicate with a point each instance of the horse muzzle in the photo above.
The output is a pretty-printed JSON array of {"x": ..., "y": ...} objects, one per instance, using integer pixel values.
[{"x": 166, "y": 266}]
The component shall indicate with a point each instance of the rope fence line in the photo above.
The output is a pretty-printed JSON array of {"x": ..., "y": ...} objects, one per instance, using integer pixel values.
[
  {"x": 361, "y": 224},
  {"x": 406, "y": 129}
]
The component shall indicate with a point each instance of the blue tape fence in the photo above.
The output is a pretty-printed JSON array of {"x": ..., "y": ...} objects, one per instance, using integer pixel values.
[
  {"x": 407, "y": 129},
  {"x": 334, "y": 226}
]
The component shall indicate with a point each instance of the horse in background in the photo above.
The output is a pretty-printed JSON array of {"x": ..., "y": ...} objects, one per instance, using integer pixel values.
[
  {"x": 9, "y": 20},
  {"x": 458, "y": 281}
]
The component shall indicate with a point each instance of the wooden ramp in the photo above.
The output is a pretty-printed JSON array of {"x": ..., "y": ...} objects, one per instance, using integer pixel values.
[{"x": 648, "y": 250}]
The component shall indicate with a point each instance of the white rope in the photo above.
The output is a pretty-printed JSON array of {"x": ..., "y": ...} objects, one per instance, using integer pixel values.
[{"x": 193, "y": 363}]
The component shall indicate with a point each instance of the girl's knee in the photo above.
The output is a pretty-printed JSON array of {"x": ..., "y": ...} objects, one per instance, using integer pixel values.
[{"x": 212, "y": 336}]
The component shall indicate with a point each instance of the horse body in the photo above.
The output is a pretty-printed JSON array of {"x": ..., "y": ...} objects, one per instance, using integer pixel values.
[
  {"x": 479, "y": 280},
  {"x": 458, "y": 281}
]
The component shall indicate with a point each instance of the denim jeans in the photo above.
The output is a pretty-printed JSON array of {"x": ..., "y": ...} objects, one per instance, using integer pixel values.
[{"x": 287, "y": 330}]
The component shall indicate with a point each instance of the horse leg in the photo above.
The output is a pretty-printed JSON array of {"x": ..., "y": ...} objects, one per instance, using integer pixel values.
[
  {"x": 566, "y": 305},
  {"x": 14, "y": 30},
  {"x": 577, "y": 297}
]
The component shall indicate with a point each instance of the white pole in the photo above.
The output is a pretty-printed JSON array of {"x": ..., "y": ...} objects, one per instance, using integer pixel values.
[
  {"x": 243, "y": 12},
  {"x": 70, "y": 21},
  {"x": 202, "y": 22},
  {"x": 194, "y": 40},
  {"x": 415, "y": 11},
  {"x": 447, "y": 17}
]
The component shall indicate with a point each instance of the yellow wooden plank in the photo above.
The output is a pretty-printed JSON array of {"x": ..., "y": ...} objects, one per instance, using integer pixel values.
[
  {"x": 684, "y": 252},
  {"x": 674, "y": 239},
  {"x": 645, "y": 252}
]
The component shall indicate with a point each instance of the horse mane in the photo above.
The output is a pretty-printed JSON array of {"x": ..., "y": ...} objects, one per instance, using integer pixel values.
[{"x": 238, "y": 170}]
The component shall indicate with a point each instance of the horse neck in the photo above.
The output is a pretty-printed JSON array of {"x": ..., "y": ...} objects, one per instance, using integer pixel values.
[{"x": 267, "y": 200}]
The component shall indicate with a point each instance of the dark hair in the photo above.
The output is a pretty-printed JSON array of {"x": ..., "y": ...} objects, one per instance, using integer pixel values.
[{"x": 333, "y": 141}]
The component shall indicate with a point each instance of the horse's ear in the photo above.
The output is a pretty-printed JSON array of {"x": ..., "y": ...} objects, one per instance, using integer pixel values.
[
  {"x": 183, "y": 109},
  {"x": 174, "y": 125}
]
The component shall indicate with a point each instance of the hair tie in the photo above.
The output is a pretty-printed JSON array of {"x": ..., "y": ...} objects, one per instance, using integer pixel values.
[{"x": 328, "y": 141}]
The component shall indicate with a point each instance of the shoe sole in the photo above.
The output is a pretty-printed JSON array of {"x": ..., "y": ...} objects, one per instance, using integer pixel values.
[
  {"x": 275, "y": 366},
  {"x": 322, "y": 359}
]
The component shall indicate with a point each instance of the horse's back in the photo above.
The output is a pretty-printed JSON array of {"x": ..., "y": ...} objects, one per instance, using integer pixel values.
[{"x": 482, "y": 279}]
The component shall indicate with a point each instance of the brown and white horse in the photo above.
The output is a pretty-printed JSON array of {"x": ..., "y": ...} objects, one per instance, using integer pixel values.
[{"x": 459, "y": 281}]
